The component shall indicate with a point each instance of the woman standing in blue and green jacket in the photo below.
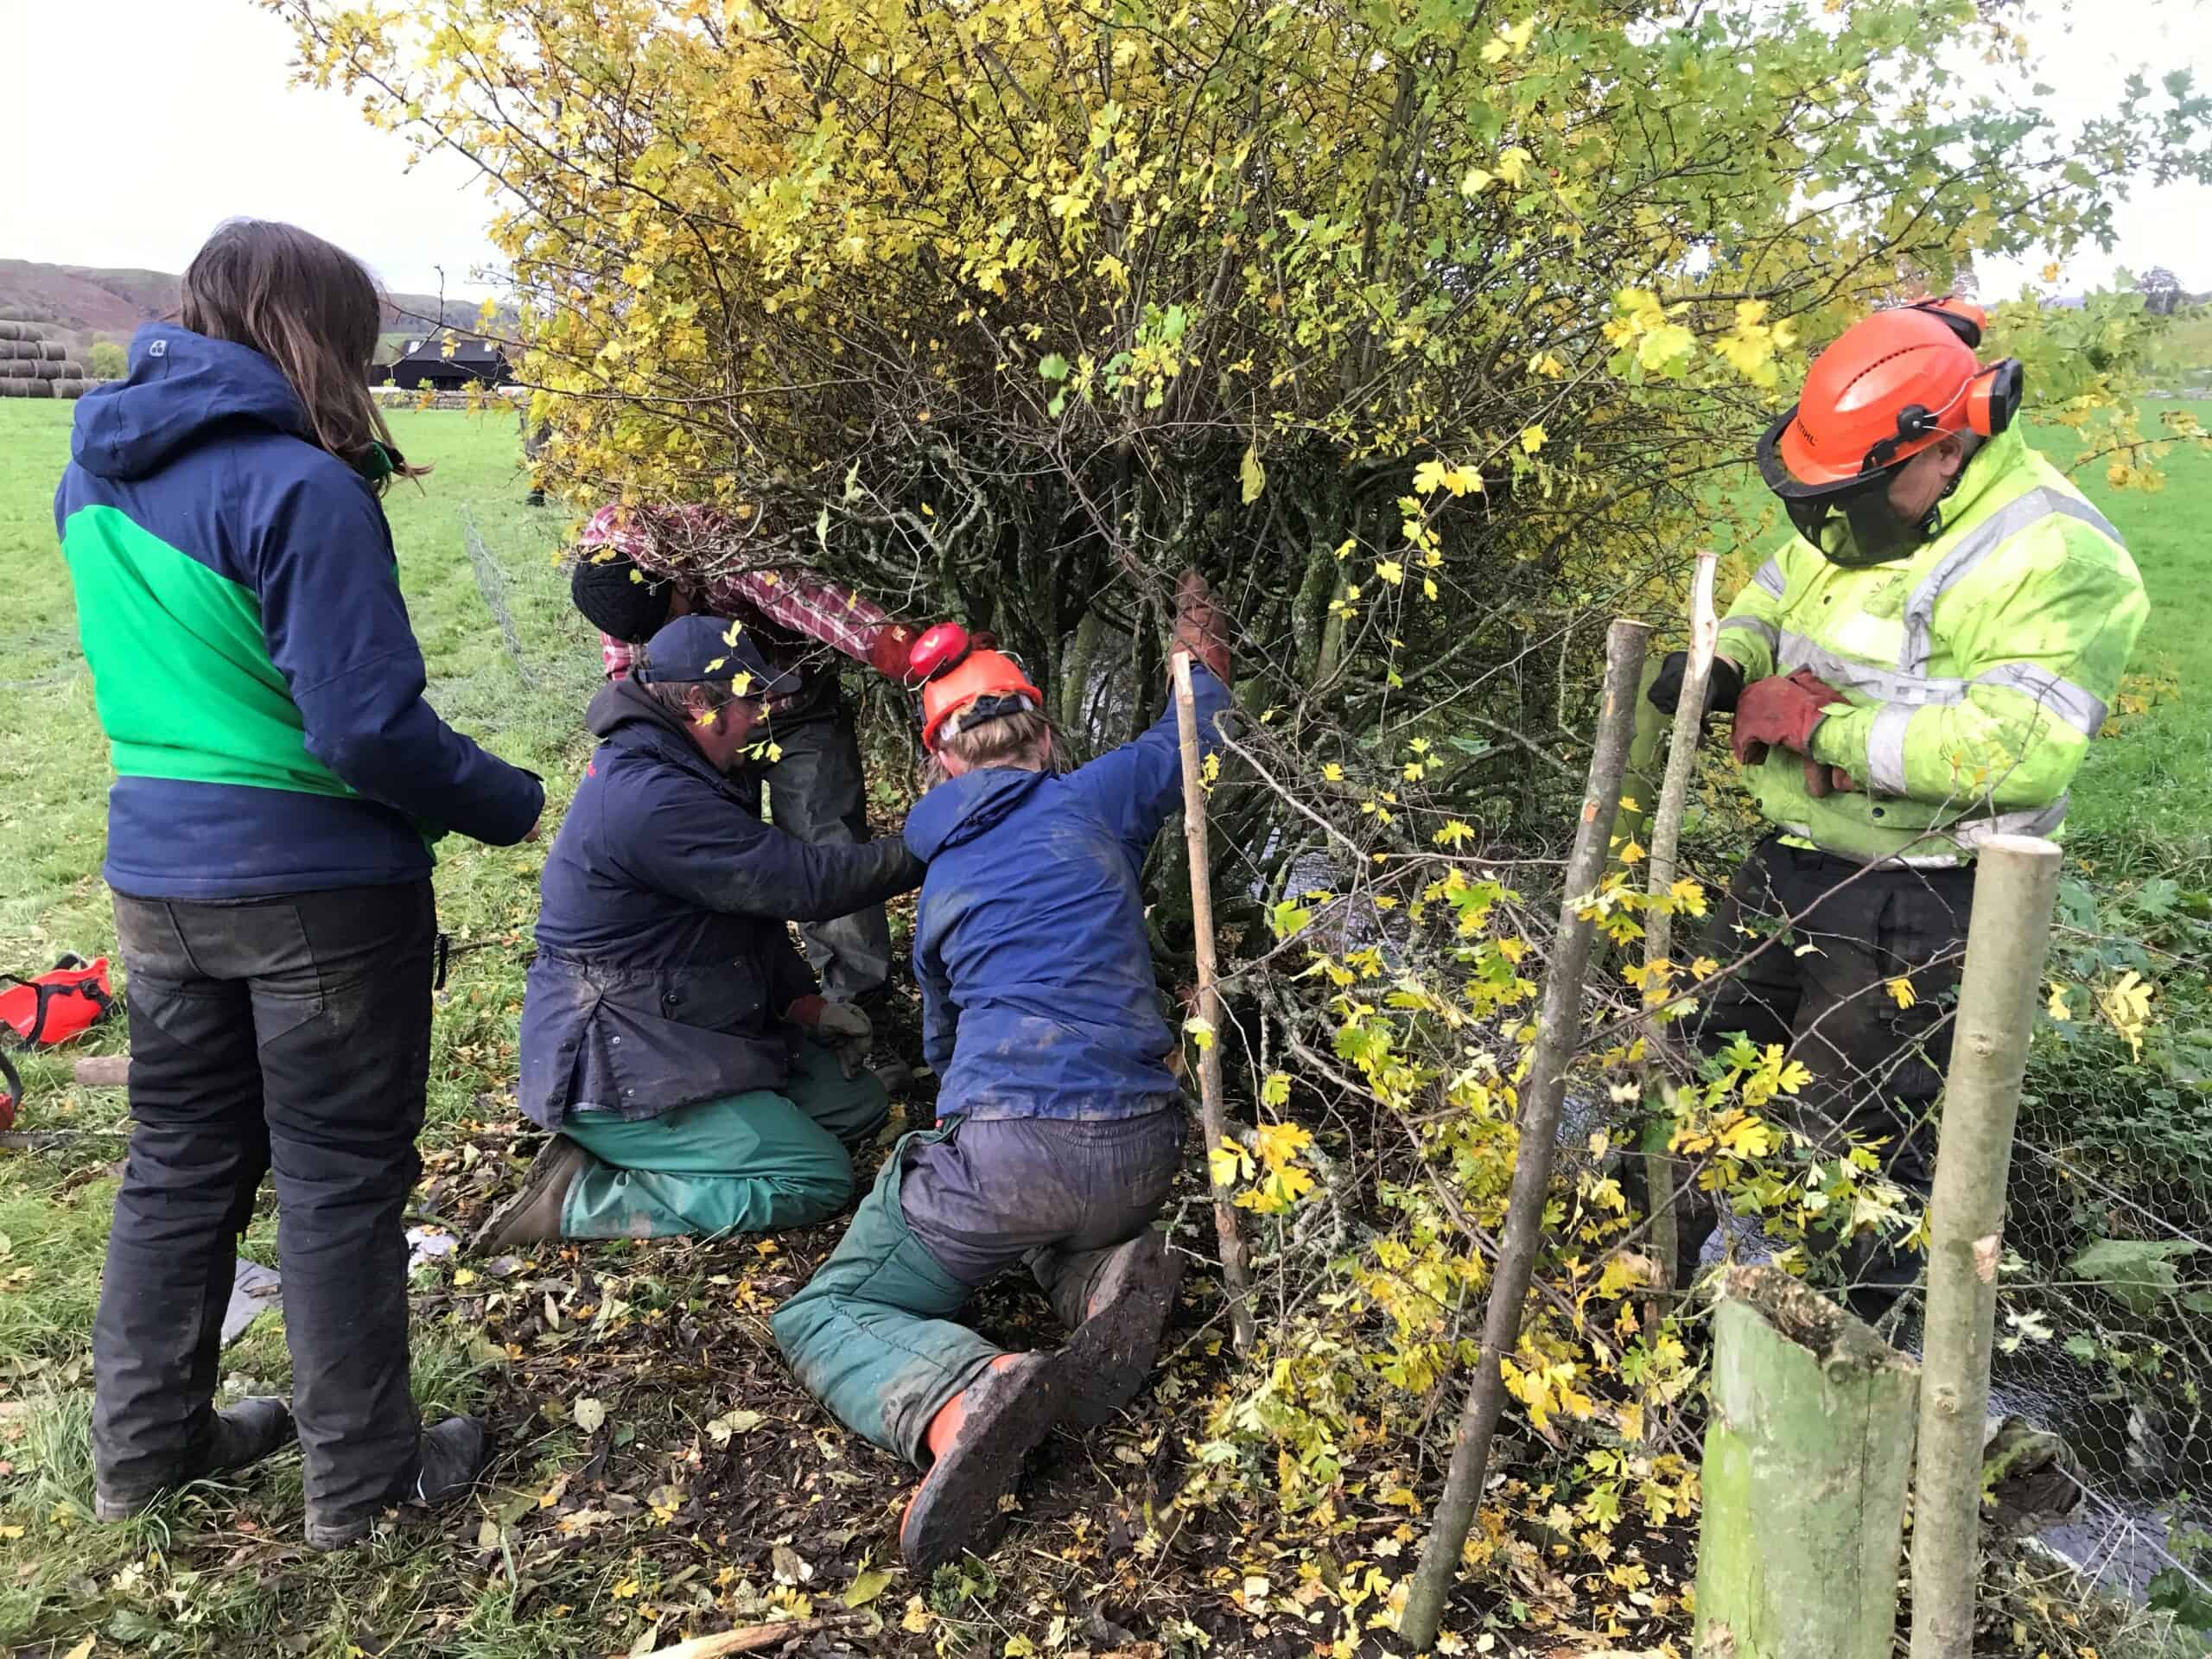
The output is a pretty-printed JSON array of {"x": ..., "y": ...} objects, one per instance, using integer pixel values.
[{"x": 279, "y": 782}]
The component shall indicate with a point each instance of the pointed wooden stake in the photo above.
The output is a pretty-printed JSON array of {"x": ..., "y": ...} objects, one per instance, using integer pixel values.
[{"x": 1235, "y": 1274}]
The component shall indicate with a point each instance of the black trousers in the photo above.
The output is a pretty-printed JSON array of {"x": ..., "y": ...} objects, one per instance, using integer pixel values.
[
  {"x": 291, "y": 1035},
  {"x": 816, "y": 791},
  {"x": 1843, "y": 935}
]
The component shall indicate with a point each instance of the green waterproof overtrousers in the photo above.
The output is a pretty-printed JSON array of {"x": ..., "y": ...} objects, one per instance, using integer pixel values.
[
  {"x": 747, "y": 1163},
  {"x": 872, "y": 1335}
]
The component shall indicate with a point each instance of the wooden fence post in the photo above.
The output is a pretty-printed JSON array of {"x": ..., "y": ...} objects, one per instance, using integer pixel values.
[
  {"x": 1235, "y": 1274},
  {"x": 1805, "y": 1457},
  {"x": 2016, "y": 884},
  {"x": 1559, "y": 1032}
]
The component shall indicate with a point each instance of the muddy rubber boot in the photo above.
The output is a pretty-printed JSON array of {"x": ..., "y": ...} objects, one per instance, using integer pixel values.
[
  {"x": 1112, "y": 1353},
  {"x": 533, "y": 1214},
  {"x": 449, "y": 1458},
  {"x": 978, "y": 1439},
  {"x": 244, "y": 1433}
]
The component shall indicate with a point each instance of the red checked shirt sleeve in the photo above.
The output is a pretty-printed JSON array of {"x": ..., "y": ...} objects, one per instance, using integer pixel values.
[
  {"x": 618, "y": 657},
  {"x": 806, "y": 603}
]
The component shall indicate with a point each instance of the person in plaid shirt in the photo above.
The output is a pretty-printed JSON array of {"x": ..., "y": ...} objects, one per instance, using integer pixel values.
[{"x": 803, "y": 623}]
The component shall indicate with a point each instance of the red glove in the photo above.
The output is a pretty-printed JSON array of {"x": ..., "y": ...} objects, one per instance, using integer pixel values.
[
  {"x": 1199, "y": 627},
  {"x": 1777, "y": 712},
  {"x": 887, "y": 653}
]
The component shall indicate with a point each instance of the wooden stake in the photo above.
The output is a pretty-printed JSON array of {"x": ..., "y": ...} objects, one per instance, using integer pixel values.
[
  {"x": 2016, "y": 884},
  {"x": 1236, "y": 1275},
  {"x": 1806, "y": 1459},
  {"x": 1666, "y": 842},
  {"x": 1559, "y": 1030},
  {"x": 751, "y": 1638}
]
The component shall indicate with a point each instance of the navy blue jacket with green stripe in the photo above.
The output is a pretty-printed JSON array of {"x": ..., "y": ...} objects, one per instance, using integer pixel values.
[{"x": 251, "y": 659}]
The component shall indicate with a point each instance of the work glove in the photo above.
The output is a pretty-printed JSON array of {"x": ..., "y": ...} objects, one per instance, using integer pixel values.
[
  {"x": 838, "y": 1027},
  {"x": 886, "y": 652},
  {"x": 1723, "y": 686},
  {"x": 1778, "y": 712},
  {"x": 1199, "y": 628}
]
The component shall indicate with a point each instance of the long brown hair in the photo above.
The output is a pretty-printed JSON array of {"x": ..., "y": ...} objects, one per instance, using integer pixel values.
[{"x": 313, "y": 309}]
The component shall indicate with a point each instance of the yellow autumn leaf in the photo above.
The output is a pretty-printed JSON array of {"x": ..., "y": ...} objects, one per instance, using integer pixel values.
[
  {"x": 1532, "y": 439},
  {"x": 2057, "y": 1007},
  {"x": 1901, "y": 993},
  {"x": 1227, "y": 1164},
  {"x": 1332, "y": 773},
  {"x": 1428, "y": 590},
  {"x": 1391, "y": 570}
]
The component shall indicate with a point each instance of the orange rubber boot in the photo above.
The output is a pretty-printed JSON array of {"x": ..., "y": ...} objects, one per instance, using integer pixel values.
[{"x": 977, "y": 1440}]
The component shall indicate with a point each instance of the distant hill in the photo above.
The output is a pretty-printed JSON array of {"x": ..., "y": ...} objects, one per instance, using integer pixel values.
[{"x": 83, "y": 304}]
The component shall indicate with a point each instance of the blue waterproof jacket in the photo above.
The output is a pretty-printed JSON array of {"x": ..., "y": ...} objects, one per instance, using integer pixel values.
[
  {"x": 1037, "y": 996},
  {"x": 664, "y": 960},
  {"x": 252, "y": 660}
]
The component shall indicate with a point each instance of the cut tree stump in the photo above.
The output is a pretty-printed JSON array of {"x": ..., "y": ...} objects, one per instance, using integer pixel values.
[{"x": 1806, "y": 1462}]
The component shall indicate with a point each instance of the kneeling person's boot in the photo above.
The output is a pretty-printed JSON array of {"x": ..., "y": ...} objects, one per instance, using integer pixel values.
[
  {"x": 449, "y": 1458},
  {"x": 533, "y": 1214},
  {"x": 978, "y": 1439},
  {"x": 243, "y": 1434},
  {"x": 1125, "y": 1313}
]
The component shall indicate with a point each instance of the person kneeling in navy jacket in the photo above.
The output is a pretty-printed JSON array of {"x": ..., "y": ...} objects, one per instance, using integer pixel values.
[{"x": 671, "y": 1034}]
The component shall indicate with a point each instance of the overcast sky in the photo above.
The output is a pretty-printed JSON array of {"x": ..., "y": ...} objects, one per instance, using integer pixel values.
[{"x": 131, "y": 127}]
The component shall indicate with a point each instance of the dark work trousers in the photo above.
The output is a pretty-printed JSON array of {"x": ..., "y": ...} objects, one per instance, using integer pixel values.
[
  {"x": 290, "y": 1034},
  {"x": 816, "y": 792},
  {"x": 874, "y": 1334},
  {"x": 1842, "y": 934}
]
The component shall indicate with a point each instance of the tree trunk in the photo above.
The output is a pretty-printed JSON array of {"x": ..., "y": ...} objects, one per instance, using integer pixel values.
[
  {"x": 1805, "y": 1466},
  {"x": 1559, "y": 1032},
  {"x": 2014, "y": 885}
]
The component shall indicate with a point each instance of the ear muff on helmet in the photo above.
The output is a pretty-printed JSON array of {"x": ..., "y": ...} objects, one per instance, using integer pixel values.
[
  {"x": 1962, "y": 317},
  {"x": 1994, "y": 397}
]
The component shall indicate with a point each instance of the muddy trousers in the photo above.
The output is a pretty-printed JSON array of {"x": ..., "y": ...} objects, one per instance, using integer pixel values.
[
  {"x": 872, "y": 1335},
  {"x": 1860, "y": 984},
  {"x": 289, "y": 1035},
  {"x": 748, "y": 1163}
]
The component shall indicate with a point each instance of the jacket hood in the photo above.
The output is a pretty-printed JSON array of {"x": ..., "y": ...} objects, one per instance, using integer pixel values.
[
  {"x": 181, "y": 385},
  {"x": 961, "y": 808}
]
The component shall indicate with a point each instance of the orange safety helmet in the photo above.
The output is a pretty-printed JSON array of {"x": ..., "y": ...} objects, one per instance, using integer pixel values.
[
  {"x": 958, "y": 676},
  {"x": 1892, "y": 386}
]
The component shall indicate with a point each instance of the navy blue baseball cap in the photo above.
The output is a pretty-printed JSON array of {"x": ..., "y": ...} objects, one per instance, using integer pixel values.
[{"x": 697, "y": 649}]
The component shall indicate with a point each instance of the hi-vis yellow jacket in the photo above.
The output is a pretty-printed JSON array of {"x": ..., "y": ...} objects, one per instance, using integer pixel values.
[{"x": 1977, "y": 670}]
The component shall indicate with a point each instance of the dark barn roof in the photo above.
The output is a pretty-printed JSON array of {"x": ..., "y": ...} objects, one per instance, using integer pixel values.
[{"x": 441, "y": 361}]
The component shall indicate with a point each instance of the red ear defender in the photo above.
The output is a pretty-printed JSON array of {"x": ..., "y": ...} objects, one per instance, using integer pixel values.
[
  {"x": 939, "y": 649},
  {"x": 1994, "y": 397}
]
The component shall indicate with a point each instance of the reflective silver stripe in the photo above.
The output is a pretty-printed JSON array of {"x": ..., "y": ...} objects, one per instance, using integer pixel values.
[
  {"x": 1967, "y": 834},
  {"x": 1884, "y": 685},
  {"x": 1886, "y": 749},
  {"x": 2029, "y": 821},
  {"x": 2082, "y": 710},
  {"x": 1770, "y": 578},
  {"x": 1978, "y": 544},
  {"x": 1753, "y": 625}
]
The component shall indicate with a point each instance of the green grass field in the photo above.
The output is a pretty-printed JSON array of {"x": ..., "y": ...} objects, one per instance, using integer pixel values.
[{"x": 588, "y": 1540}]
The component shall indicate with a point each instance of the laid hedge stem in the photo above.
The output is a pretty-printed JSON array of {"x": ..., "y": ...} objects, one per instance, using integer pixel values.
[
  {"x": 2015, "y": 889},
  {"x": 1558, "y": 1026}
]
